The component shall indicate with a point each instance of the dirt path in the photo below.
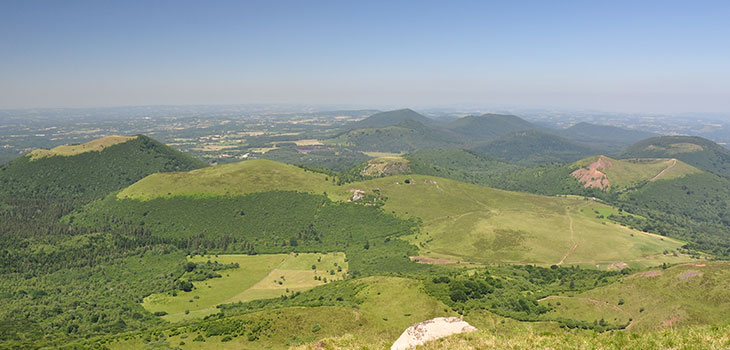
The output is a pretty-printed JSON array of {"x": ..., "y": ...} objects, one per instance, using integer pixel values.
[
  {"x": 572, "y": 238},
  {"x": 674, "y": 162}
]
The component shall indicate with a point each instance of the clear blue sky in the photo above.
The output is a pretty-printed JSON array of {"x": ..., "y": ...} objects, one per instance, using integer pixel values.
[{"x": 650, "y": 56}]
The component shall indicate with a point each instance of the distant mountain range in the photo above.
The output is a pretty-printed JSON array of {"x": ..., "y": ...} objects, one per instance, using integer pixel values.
[{"x": 502, "y": 136}]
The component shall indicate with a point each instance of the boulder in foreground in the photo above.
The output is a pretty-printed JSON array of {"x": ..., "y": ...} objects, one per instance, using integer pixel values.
[{"x": 433, "y": 329}]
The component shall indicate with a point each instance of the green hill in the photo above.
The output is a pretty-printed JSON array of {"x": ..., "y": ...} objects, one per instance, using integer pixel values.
[
  {"x": 407, "y": 136},
  {"x": 693, "y": 150},
  {"x": 335, "y": 159},
  {"x": 672, "y": 197},
  {"x": 229, "y": 179},
  {"x": 606, "y": 137},
  {"x": 461, "y": 165},
  {"x": 490, "y": 126},
  {"x": 460, "y": 221},
  {"x": 683, "y": 295},
  {"x": 534, "y": 147},
  {"x": 621, "y": 174},
  {"x": 383, "y": 119},
  {"x": 89, "y": 170},
  {"x": 669, "y": 196},
  {"x": 470, "y": 223}
]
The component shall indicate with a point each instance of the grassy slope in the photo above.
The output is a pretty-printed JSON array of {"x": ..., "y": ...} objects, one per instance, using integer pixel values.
[
  {"x": 229, "y": 179},
  {"x": 696, "y": 338},
  {"x": 692, "y": 150},
  {"x": 479, "y": 224},
  {"x": 71, "y": 150},
  {"x": 461, "y": 221},
  {"x": 256, "y": 278},
  {"x": 683, "y": 295},
  {"x": 389, "y": 305},
  {"x": 627, "y": 173}
]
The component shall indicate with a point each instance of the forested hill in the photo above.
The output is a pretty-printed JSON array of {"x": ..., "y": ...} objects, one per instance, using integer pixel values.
[
  {"x": 535, "y": 147},
  {"x": 693, "y": 150},
  {"x": 490, "y": 126},
  {"x": 609, "y": 138},
  {"x": 89, "y": 170},
  {"x": 383, "y": 119}
]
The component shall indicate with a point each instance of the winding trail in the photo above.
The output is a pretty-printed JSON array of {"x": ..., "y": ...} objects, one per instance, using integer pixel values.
[{"x": 674, "y": 162}]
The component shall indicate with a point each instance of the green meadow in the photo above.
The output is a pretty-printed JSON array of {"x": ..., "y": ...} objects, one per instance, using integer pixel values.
[
  {"x": 257, "y": 277},
  {"x": 240, "y": 178},
  {"x": 460, "y": 221},
  {"x": 472, "y": 223},
  {"x": 387, "y": 306}
]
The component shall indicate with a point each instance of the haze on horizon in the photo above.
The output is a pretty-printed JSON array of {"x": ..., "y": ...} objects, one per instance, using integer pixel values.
[{"x": 649, "y": 56}]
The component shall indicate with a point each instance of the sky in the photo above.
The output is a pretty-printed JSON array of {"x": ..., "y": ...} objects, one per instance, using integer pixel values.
[{"x": 639, "y": 56}]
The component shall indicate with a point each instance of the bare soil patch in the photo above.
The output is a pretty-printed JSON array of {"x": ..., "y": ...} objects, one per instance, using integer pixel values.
[
  {"x": 435, "y": 261},
  {"x": 674, "y": 163},
  {"x": 356, "y": 194},
  {"x": 593, "y": 176},
  {"x": 670, "y": 321},
  {"x": 619, "y": 265},
  {"x": 687, "y": 275}
]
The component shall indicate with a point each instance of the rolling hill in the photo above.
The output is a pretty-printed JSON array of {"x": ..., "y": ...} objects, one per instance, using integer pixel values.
[
  {"x": 460, "y": 221},
  {"x": 607, "y": 173},
  {"x": 90, "y": 170},
  {"x": 461, "y": 165},
  {"x": 673, "y": 197},
  {"x": 230, "y": 179},
  {"x": 469, "y": 223},
  {"x": 407, "y": 136},
  {"x": 693, "y": 150},
  {"x": 389, "y": 118},
  {"x": 490, "y": 126},
  {"x": 608, "y": 138},
  {"x": 260, "y": 254},
  {"x": 534, "y": 147},
  {"x": 658, "y": 299}
]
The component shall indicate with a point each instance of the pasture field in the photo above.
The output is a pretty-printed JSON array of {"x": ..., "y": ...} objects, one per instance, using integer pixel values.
[
  {"x": 257, "y": 277},
  {"x": 70, "y": 150},
  {"x": 471, "y": 223},
  {"x": 683, "y": 295}
]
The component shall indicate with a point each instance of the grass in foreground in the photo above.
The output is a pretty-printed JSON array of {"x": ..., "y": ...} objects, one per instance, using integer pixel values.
[
  {"x": 388, "y": 306},
  {"x": 683, "y": 295}
]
